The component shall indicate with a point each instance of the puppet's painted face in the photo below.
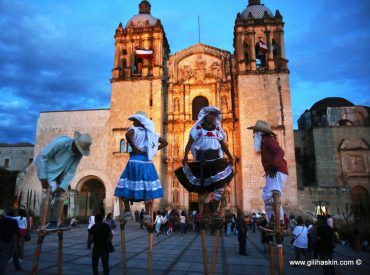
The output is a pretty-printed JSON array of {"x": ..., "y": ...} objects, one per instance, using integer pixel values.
[
  {"x": 136, "y": 123},
  {"x": 257, "y": 141},
  {"x": 211, "y": 117}
]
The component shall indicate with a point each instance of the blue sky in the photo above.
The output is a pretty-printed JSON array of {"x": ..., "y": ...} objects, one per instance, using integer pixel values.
[{"x": 58, "y": 55}]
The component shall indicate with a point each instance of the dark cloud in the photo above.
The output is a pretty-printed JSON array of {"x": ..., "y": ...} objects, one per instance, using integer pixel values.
[
  {"x": 58, "y": 55},
  {"x": 45, "y": 66}
]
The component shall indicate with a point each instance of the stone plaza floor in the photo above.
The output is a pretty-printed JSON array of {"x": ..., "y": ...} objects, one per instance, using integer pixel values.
[{"x": 174, "y": 254}]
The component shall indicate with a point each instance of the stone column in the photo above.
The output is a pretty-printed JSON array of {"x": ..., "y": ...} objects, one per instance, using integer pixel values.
[
  {"x": 281, "y": 44},
  {"x": 116, "y": 65},
  {"x": 252, "y": 44},
  {"x": 270, "y": 59},
  {"x": 109, "y": 201}
]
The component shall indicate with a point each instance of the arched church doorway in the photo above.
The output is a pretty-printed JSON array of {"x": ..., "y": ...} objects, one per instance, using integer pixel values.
[
  {"x": 360, "y": 202},
  {"x": 92, "y": 195},
  {"x": 198, "y": 103}
]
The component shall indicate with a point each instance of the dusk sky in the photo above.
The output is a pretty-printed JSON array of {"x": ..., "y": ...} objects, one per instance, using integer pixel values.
[{"x": 58, "y": 55}]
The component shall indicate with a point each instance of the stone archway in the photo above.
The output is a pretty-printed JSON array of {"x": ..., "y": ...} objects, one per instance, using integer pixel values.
[{"x": 91, "y": 196}]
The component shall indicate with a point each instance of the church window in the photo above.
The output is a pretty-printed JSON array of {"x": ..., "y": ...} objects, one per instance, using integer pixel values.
[
  {"x": 122, "y": 146},
  {"x": 246, "y": 52},
  {"x": 6, "y": 163},
  {"x": 129, "y": 148},
  {"x": 344, "y": 122},
  {"x": 175, "y": 198},
  {"x": 175, "y": 183},
  {"x": 123, "y": 63},
  {"x": 138, "y": 67},
  {"x": 275, "y": 52},
  {"x": 198, "y": 103},
  {"x": 261, "y": 51},
  {"x": 176, "y": 105}
]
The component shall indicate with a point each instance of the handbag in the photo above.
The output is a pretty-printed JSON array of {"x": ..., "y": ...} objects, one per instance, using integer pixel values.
[
  {"x": 110, "y": 247},
  {"x": 27, "y": 237},
  {"x": 293, "y": 240}
]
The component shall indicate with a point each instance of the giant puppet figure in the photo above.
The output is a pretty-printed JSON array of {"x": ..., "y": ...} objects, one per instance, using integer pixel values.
[
  {"x": 274, "y": 164},
  {"x": 56, "y": 166},
  {"x": 139, "y": 180},
  {"x": 209, "y": 171}
]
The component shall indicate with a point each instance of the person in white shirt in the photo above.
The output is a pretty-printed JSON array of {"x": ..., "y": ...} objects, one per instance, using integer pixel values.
[
  {"x": 90, "y": 225},
  {"x": 300, "y": 240},
  {"x": 158, "y": 222},
  {"x": 21, "y": 219}
]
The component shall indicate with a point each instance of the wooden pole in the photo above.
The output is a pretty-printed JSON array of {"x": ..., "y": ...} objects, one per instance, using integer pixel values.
[
  {"x": 219, "y": 227},
  {"x": 123, "y": 237},
  {"x": 278, "y": 231},
  {"x": 150, "y": 242},
  {"x": 42, "y": 233},
  {"x": 202, "y": 231},
  {"x": 214, "y": 253},
  {"x": 60, "y": 252},
  {"x": 60, "y": 244},
  {"x": 271, "y": 258},
  {"x": 280, "y": 258}
]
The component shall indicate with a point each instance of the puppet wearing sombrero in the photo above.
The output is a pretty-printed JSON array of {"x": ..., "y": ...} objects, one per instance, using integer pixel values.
[{"x": 273, "y": 162}]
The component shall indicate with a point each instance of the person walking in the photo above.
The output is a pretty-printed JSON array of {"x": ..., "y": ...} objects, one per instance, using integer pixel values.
[
  {"x": 265, "y": 238},
  {"x": 23, "y": 229},
  {"x": 9, "y": 232},
  {"x": 158, "y": 223},
  {"x": 182, "y": 223},
  {"x": 242, "y": 228},
  {"x": 141, "y": 217},
  {"x": 300, "y": 240},
  {"x": 100, "y": 235},
  {"x": 325, "y": 243},
  {"x": 137, "y": 216},
  {"x": 90, "y": 224}
]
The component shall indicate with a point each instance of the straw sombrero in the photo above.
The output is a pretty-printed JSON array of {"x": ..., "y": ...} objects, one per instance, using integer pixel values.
[
  {"x": 83, "y": 142},
  {"x": 262, "y": 126}
]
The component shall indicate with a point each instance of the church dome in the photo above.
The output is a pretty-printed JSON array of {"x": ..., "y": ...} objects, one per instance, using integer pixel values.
[
  {"x": 331, "y": 102},
  {"x": 256, "y": 9},
  {"x": 144, "y": 18}
]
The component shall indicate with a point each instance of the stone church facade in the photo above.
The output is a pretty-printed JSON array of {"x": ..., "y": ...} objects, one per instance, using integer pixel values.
[
  {"x": 333, "y": 157},
  {"x": 251, "y": 83}
]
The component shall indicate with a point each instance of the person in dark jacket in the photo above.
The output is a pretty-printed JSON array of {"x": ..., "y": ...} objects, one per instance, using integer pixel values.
[
  {"x": 325, "y": 243},
  {"x": 241, "y": 226},
  {"x": 265, "y": 238},
  {"x": 8, "y": 240},
  {"x": 100, "y": 235}
]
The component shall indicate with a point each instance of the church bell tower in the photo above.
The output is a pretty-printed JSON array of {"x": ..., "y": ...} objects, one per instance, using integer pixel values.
[
  {"x": 139, "y": 83},
  {"x": 262, "y": 82}
]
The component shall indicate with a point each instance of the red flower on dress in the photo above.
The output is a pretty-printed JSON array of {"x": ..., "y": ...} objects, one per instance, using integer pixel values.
[
  {"x": 200, "y": 134},
  {"x": 218, "y": 128},
  {"x": 210, "y": 134},
  {"x": 198, "y": 127}
]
